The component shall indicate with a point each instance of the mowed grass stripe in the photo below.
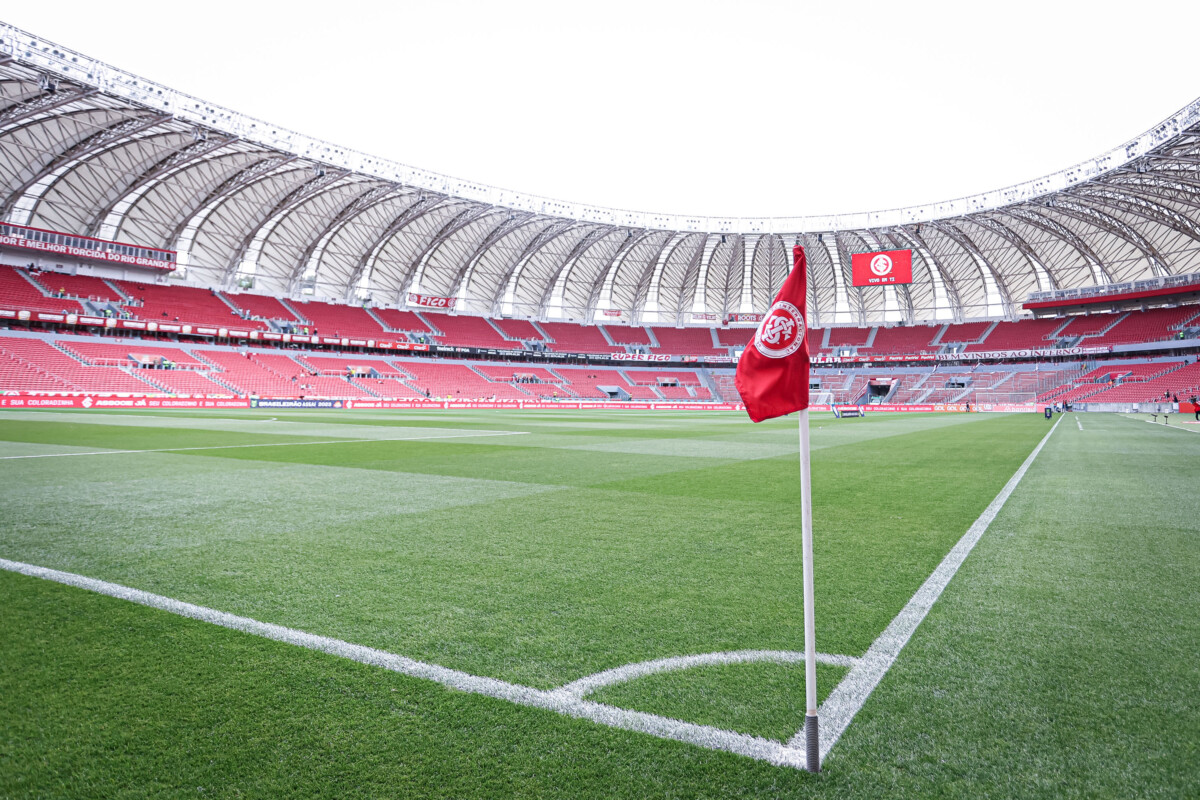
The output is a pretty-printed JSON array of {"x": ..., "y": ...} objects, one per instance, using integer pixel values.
[
  {"x": 1061, "y": 659},
  {"x": 101, "y": 698},
  {"x": 99, "y": 703},
  {"x": 533, "y": 586}
]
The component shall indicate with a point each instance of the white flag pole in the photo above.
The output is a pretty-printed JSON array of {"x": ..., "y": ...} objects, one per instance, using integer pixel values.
[{"x": 811, "y": 737}]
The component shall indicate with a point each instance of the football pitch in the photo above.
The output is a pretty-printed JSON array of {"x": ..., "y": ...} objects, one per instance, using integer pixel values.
[{"x": 608, "y": 604}]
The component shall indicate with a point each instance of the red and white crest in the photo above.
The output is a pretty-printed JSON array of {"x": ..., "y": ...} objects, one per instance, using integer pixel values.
[
  {"x": 781, "y": 332},
  {"x": 881, "y": 264}
]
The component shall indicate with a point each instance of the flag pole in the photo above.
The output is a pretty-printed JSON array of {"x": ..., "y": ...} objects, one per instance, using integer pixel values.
[{"x": 811, "y": 737}]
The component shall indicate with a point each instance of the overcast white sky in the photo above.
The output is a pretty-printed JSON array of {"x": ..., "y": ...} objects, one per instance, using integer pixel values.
[{"x": 750, "y": 108}]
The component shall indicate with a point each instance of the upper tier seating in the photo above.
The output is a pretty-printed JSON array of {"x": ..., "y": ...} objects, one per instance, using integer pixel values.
[
  {"x": 739, "y": 337},
  {"x": 263, "y": 307},
  {"x": 518, "y": 329},
  {"x": 964, "y": 332},
  {"x": 571, "y": 338},
  {"x": 902, "y": 340},
  {"x": 183, "y": 304},
  {"x": 1025, "y": 334},
  {"x": 1154, "y": 325},
  {"x": 327, "y": 319},
  {"x": 466, "y": 331},
  {"x": 627, "y": 334},
  {"x": 686, "y": 342},
  {"x": 82, "y": 286},
  {"x": 398, "y": 320},
  {"x": 1087, "y": 325},
  {"x": 17, "y": 293},
  {"x": 847, "y": 337}
]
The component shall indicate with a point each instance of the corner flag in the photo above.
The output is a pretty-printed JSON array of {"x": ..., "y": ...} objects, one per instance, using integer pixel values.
[
  {"x": 772, "y": 374},
  {"x": 772, "y": 379}
]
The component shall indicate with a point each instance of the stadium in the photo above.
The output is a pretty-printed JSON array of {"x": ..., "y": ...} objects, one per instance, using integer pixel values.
[{"x": 330, "y": 476}]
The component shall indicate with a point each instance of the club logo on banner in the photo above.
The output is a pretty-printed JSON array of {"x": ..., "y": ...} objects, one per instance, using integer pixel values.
[
  {"x": 881, "y": 269},
  {"x": 781, "y": 332}
]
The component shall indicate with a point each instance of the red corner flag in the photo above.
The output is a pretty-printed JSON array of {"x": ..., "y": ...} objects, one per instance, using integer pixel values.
[{"x": 772, "y": 375}]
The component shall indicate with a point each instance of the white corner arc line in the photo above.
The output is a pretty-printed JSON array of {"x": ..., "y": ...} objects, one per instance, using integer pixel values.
[
  {"x": 755, "y": 747},
  {"x": 848, "y": 697},
  {"x": 629, "y": 672},
  {"x": 265, "y": 444}
]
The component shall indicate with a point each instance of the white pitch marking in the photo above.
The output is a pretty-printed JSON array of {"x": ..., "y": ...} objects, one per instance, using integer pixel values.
[
  {"x": 610, "y": 677},
  {"x": 265, "y": 444},
  {"x": 848, "y": 697},
  {"x": 1077, "y": 422},
  {"x": 558, "y": 701}
]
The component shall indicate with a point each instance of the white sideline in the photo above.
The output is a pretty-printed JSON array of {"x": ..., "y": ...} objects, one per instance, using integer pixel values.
[
  {"x": 848, "y": 697},
  {"x": 629, "y": 672},
  {"x": 265, "y": 444},
  {"x": 557, "y": 700},
  {"x": 836, "y": 712}
]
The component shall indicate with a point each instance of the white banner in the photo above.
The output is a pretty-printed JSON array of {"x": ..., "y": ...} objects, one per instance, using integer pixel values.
[{"x": 430, "y": 300}]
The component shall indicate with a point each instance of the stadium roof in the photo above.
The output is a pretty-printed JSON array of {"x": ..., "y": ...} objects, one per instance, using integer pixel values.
[{"x": 86, "y": 148}]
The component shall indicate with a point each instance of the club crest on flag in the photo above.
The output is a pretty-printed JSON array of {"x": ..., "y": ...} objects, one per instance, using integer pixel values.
[{"x": 781, "y": 332}]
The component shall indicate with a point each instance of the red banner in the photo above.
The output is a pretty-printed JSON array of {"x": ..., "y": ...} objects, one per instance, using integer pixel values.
[
  {"x": 883, "y": 268},
  {"x": 431, "y": 300}
]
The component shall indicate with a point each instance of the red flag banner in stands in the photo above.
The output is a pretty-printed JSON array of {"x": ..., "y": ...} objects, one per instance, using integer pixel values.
[
  {"x": 772, "y": 375},
  {"x": 881, "y": 269}
]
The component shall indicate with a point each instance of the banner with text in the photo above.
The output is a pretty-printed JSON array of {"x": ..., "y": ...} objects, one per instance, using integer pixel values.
[{"x": 883, "y": 268}]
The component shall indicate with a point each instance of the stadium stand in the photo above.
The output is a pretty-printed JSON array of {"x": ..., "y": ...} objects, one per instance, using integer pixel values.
[
  {"x": 260, "y": 306},
  {"x": 627, "y": 334},
  {"x": 902, "y": 340},
  {"x": 846, "y": 337},
  {"x": 350, "y": 363},
  {"x": 327, "y": 319},
  {"x": 459, "y": 382},
  {"x": 737, "y": 337},
  {"x": 963, "y": 332},
  {"x": 518, "y": 329},
  {"x": 585, "y": 383},
  {"x": 654, "y": 377},
  {"x": 78, "y": 286},
  {"x": 182, "y": 381},
  {"x": 466, "y": 331},
  {"x": 1090, "y": 325},
  {"x": 128, "y": 353},
  {"x": 17, "y": 292},
  {"x": 726, "y": 389},
  {"x": 37, "y": 365},
  {"x": 1154, "y": 325},
  {"x": 184, "y": 304},
  {"x": 255, "y": 373},
  {"x": 685, "y": 342},
  {"x": 1026, "y": 334},
  {"x": 567, "y": 337},
  {"x": 407, "y": 321}
]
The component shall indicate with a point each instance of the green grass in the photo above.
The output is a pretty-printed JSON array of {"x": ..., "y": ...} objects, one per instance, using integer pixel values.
[{"x": 590, "y": 541}]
